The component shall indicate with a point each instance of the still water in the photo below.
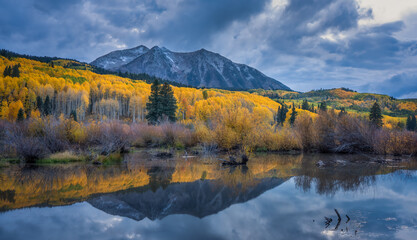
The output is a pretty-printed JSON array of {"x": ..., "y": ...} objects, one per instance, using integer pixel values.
[{"x": 273, "y": 197}]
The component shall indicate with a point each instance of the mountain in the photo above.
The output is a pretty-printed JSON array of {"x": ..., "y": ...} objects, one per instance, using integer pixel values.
[
  {"x": 114, "y": 60},
  {"x": 201, "y": 68},
  {"x": 199, "y": 199}
]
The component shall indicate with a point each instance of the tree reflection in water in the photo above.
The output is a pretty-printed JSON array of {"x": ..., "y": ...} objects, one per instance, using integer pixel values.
[
  {"x": 342, "y": 172},
  {"x": 56, "y": 185}
]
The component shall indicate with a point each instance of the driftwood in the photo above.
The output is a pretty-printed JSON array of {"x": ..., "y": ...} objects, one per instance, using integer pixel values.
[
  {"x": 338, "y": 219},
  {"x": 328, "y": 221},
  {"x": 232, "y": 161},
  {"x": 164, "y": 155}
]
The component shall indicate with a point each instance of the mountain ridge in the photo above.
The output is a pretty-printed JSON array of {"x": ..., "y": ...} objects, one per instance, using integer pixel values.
[
  {"x": 201, "y": 68},
  {"x": 199, "y": 199}
]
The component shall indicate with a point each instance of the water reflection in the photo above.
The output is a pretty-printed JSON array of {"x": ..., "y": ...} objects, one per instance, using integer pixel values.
[
  {"x": 274, "y": 196},
  {"x": 66, "y": 184},
  {"x": 56, "y": 185},
  {"x": 343, "y": 172}
]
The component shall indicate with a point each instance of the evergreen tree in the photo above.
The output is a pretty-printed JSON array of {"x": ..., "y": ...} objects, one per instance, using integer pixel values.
[
  {"x": 205, "y": 94},
  {"x": 305, "y": 105},
  {"x": 168, "y": 102},
  {"x": 7, "y": 71},
  {"x": 282, "y": 114},
  {"x": 27, "y": 106},
  {"x": 73, "y": 115},
  {"x": 39, "y": 104},
  {"x": 15, "y": 71},
  {"x": 342, "y": 112},
  {"x": 20, "y": 115},
  {"x": 375, "y": 115},
  {"x": 411, "y": 124},
  {"x": 323, "y": 106},
  {"x": 278, "y": 117},
  {"x": 293, "y": 115},
  {"x": 47, "y": 106},
  {"x": 153, "y": 106}
]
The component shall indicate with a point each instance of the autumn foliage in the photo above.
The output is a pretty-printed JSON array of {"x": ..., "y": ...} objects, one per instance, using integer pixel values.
[{"x": 110, "y": 114}]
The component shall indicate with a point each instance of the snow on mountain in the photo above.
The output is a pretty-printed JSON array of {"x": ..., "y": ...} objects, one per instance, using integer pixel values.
[
  {"x": 116, "y": 59},
  {"x": 201, "y": 68},
  {"x": 199, "y": 199}
]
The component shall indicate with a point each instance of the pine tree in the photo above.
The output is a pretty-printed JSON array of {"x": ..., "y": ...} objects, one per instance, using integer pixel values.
[
  {"x": 205, "y": 94},
  {"x": 15, "y": 71},
  {"x": 282, "y": 114},
  {"x": 375, "y": 115},
  {"x": 47, "y": 106},
  {"x": 323, "y": 106},
  {"x": 153, "y": 106},
  {"x": 20, "y": 115},
  {"x": 342, "y": 112},
  {"x": 305, "y": 105},
  {"x": 411, "y": 124},
  {"x": 7, "y": 71},
  {"x": 73, "y": 115},
  {"x": 277, "y": 118},
  {"x": 168, "y": 102},
  {"x": 39, "y": 104},
  {"x": 293, "y": 115}
]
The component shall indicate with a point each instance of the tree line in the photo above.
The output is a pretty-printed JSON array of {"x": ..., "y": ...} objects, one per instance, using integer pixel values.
[{"x": 12, "y": 71}]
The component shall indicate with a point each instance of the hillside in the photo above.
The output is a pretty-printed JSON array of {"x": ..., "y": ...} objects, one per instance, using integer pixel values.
[
  {"x": 96, "y": 96},
  {"x": 350, "y": 100},
  {"x": 201, "y": 68},
  {"x": 71, "y": 109}
]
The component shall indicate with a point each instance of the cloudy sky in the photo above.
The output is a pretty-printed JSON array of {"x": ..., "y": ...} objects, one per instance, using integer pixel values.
[{"x": 366, "y": 45}]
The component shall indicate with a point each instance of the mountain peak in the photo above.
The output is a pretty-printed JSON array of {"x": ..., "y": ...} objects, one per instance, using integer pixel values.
[
  {"x": 201, "y": 68},
  {"x": 116, "y": 59},
  {"x": 140, "y": 46},
  {"x": 162, "y": 49}
]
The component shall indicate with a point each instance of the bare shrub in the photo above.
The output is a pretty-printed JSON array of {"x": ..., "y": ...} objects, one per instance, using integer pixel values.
[
  {"x": 54, "y": 136},
  {"x": 144, "y": 135},
  {"x": 6, "y": 150},
  {"x": 114, "y": 137},
  {"x": 167, "y": 134},
  {"x": 177, "y": 136},
  {"x": 353, "y": 135},
  {"x": 28, "y": 148},
  {"x": 394, "y": 142},
  {"x": 94, "y": 133},
  {"x": 304, "y": 129},
  {"x": 324, "y": 126}
]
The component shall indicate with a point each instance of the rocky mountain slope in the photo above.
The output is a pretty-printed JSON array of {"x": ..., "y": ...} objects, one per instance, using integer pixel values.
[
  {"x": 201, "y": 68},
  {"x": 199, "y": 199},
  {"x": 114, "y": 60}
]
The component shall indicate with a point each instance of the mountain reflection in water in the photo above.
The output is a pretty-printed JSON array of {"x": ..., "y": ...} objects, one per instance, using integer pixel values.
[{"x": 145, "y": 189}]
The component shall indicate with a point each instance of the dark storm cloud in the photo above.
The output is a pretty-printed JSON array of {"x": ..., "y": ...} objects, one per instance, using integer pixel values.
[
  {"x": 301, "y": 27},
  {"x": 316, "y": 41},
  {"x": 195, "y": 23},
  {"x": 79, "y": 29},
  {"x": 301, "y": 21},
  {"x": 375, "y": 47}
]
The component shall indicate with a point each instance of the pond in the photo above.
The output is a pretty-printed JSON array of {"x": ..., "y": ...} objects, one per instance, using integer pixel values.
[{"x": 275, "y": 196}]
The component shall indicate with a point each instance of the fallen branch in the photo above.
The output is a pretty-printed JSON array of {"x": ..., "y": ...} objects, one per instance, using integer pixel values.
[
  {"x": 328, "y": 221},
  {"x": 338, "y": 219}
]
